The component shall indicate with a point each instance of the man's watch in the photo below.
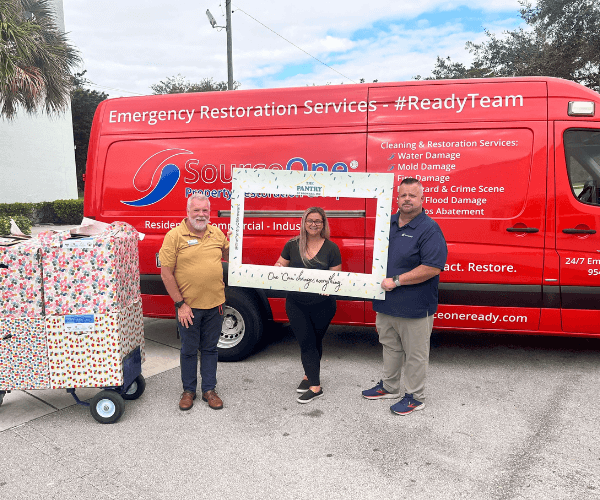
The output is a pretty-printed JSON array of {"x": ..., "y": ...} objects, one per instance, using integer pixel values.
[
  {"x": 179, "y": 304},
  {"x": 396, "y": 280}
]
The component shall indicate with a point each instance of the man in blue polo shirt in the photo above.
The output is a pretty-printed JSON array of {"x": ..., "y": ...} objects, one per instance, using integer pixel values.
[{"x": 416, "y": 255}]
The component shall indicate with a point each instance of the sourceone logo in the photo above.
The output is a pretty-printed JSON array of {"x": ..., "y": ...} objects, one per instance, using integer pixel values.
[
  {"x": 157, "y": 165},
  {"x": 158, "y": 175}
]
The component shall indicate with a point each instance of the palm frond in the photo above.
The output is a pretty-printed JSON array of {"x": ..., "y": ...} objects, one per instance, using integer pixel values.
[{"x": 36, "y": 59}]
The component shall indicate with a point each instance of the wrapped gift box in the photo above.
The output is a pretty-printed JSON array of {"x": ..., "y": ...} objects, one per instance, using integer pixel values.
[
  {"x": 20, "y": 278},
  {"x": 87, "y": 350},
  {"x": 23, "y": 354},
  {"x": 90, "y": 274},
  {"x": 59, "y": 273},
  {"x": 71, "y": 308}
]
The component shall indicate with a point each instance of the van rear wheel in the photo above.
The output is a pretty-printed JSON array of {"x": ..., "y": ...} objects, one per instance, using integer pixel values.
[{"x": 242, "y": 325}]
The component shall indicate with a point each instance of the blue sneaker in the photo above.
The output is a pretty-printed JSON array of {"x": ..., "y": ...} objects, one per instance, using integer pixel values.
[
  {"x": 407, "y": 405},
  {"x": 378, "y": 392}
]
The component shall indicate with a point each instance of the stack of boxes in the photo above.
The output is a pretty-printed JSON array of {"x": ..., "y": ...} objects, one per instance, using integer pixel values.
[{"x": 73, "y": 305}]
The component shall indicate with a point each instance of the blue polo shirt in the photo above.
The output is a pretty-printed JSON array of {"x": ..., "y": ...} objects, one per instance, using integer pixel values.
[{"x": 419, "y": 242}]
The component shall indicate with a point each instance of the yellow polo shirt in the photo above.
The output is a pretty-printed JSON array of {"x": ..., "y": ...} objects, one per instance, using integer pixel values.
[{"x": 197, "y": 264}]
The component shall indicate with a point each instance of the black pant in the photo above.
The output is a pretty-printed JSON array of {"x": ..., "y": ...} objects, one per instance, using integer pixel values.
[{"x": 309, "y": 323}]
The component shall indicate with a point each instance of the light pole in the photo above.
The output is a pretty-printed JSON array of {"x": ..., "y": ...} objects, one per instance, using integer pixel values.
[{"x": 213, "y": 23}]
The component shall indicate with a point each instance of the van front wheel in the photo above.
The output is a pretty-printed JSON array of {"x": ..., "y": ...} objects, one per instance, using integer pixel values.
[{"x": 242, "y": 326}]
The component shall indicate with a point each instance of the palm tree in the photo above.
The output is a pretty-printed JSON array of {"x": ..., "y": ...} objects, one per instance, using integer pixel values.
[{"x": 35, "y": 59}]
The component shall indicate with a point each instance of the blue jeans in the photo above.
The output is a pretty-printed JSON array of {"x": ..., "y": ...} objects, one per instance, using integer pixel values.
[{"x": 202, "y": 335}]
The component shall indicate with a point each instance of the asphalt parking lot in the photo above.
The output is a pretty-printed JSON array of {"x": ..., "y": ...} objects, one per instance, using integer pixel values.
[{"x": 507, "y": 417}]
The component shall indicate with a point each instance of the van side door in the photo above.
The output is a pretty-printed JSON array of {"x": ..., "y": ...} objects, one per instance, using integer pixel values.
[
  {"x": 577, "y": 172},
  {"x": 484, "y": 171}
]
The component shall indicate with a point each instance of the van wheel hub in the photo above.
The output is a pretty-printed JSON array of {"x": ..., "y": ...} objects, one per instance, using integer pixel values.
[{"x": 233, "y": 328}]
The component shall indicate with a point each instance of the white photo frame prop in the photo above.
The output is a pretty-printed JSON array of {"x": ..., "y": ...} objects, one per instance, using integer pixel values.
[{"x": 314, "y": 184}]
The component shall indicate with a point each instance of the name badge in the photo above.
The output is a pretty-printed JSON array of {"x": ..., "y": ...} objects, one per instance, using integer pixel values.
[{"x": 192, "y": 242}]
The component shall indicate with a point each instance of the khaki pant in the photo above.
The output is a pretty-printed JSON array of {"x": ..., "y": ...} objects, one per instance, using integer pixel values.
[{"x": 405, "y": 344}]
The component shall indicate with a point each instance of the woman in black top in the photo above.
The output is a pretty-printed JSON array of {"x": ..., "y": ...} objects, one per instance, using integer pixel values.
[{"x": 311, "y": 313}]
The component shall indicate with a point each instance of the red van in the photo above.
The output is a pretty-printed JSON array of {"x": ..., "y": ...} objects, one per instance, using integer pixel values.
[{"x": 510, "y": 167}]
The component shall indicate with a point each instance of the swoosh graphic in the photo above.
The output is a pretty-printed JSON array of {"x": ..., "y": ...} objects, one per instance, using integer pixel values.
[
  {"x": 169, "y": 176},
  {"x": 144, "y": 177}
]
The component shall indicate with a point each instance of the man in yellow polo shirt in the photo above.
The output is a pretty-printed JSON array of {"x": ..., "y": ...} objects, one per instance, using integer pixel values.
[{"x": 192, "y": 272}]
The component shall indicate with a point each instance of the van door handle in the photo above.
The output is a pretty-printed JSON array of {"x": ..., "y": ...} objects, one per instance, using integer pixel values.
[
  {"x": 579, "y": 231},
  {"x": 522, "y": 229}
]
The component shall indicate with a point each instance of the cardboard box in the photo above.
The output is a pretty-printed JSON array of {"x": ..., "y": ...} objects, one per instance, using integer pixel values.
[
  {"x": 20, "y": 278},
  {"x": 71, "y": 308},
  {"x": 90, "y": 274},
  {"x": 87, "y": 350},
  {"x": 23, "y": 354}
]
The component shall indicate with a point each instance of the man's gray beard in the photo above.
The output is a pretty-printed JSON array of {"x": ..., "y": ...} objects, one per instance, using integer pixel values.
[{"x": 199, "y": 225}]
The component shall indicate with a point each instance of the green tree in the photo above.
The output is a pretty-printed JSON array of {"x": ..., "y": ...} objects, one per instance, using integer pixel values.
[
  {"x": 35, "y": 59},
  {"x": 563, "y": 40},
  {"x": 83, "y": 106},
  {"x": 180, "y": 85},
  {"x": 445, "y": 69}
]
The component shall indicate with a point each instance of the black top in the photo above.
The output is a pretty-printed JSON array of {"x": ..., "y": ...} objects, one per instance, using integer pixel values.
[{"x": 328, "y": 256}]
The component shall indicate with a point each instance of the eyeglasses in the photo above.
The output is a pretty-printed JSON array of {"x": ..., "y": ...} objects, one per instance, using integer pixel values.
[{"x": 316, "y": 223}]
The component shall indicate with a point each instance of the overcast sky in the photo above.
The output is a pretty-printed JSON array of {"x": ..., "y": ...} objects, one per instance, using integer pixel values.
[{"x": 128, "y": 45}]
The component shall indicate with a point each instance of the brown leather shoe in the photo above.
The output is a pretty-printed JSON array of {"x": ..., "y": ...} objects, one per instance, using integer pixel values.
[
  {"x": 187, "y": 400},
  {"x": 213, "y": 400}
]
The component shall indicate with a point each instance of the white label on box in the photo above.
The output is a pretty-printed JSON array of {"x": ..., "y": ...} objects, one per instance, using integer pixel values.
[
  {"x": 78, "y": 243},
  {"x": 79, "y": 323}
]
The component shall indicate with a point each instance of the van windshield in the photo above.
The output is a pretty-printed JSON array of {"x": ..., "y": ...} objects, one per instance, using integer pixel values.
[{"x": 582, "y": 151}]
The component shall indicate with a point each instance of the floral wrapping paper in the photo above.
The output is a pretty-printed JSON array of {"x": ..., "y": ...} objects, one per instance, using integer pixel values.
[
  {"x": 23, "y": 354},
  {"x": 94, "y": 359},
  {"x": 92, "y": 280},
  {"x": 21, "y": 280},
  {"x": 131, "y": 335},
  {"x": 47, "y": 286}
]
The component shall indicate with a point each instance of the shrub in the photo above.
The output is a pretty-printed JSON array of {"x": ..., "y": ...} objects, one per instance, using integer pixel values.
[
  {"x": 48, "y": 212},
  {"x": 13, "y": 209},
  {"x": 69, "y": 211},
  {"x": 44, "y": 213},
  {"x": 23, "y": 222}
]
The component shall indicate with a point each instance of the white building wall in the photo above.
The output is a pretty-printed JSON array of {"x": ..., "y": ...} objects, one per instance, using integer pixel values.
[{"x": 37, "y": 157}]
